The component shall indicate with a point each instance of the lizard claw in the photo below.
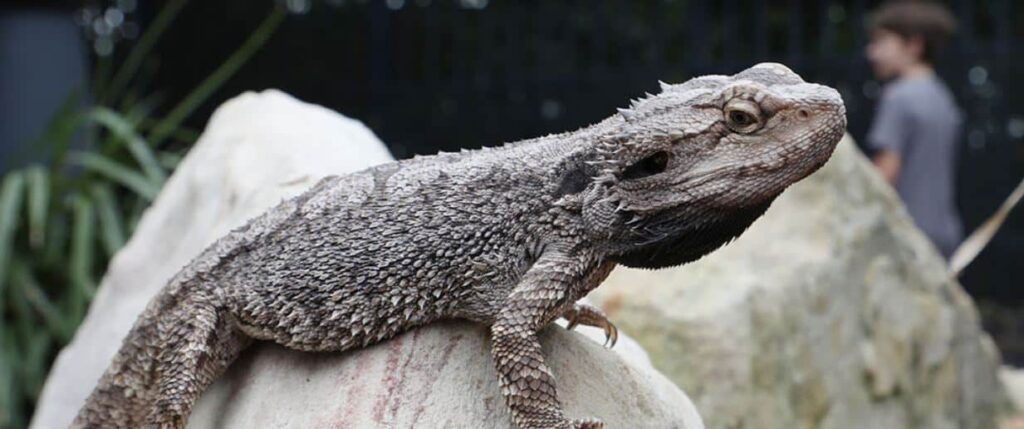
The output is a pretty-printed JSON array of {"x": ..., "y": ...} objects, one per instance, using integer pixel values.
[
  {"x": 611, "y": 334},
  {"x": 588, "y": 315},
  {"x": 587, "y": 424}
]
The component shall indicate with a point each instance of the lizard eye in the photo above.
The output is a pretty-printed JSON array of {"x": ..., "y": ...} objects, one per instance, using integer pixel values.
[
  {"x": 743, "y": 117},
  {"x": 653, "y": 164},
  {"x": 740, "y": 118}
]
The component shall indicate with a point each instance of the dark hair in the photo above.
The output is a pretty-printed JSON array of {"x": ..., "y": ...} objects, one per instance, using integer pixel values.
[{"x": 931, "y": 22}]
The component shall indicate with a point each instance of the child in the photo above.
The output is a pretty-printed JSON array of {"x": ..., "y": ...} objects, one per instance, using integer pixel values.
[{"x": 917, "y": 124}]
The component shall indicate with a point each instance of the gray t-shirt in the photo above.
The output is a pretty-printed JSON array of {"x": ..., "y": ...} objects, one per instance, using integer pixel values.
[{"x": 918, "y": 119}]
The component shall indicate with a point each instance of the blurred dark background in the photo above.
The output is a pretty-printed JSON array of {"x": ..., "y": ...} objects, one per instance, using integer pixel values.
[{"x": 429, "y": 75}]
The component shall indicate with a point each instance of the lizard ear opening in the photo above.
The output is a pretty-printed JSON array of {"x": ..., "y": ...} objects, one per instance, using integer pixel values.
[
  {"x": 649, "y": 166},
  {"x": 575, "y": 178}
]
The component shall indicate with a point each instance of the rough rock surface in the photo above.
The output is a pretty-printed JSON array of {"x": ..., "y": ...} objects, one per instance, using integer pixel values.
[
  {"x": 257, "y": 150},
  {"x": 440, "y": 376},
  {"x": 833, "y": 311}
]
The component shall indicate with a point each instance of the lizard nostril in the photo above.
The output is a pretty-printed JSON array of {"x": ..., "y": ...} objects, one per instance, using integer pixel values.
[{"x": 803, "y": 113}]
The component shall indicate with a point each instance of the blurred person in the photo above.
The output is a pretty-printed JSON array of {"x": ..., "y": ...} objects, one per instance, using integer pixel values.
[{"x": 917, "y": 123}]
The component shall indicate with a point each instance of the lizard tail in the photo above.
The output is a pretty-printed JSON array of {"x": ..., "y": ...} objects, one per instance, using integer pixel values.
[{"x": 179, "y": 344}]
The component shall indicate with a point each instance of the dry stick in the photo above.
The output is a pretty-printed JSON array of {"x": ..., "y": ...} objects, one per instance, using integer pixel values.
[{"x": 981, "y": 236}]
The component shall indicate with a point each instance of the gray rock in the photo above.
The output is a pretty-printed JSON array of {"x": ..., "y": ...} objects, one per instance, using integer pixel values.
[
  {"x": 833, "y": 311},
  {"x": 440, "y": 376},
  {"x": 257, "y": 150}
]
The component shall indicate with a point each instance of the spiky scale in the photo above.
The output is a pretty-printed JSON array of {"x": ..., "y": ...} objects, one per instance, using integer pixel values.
[{"x": 627, "y": 114}]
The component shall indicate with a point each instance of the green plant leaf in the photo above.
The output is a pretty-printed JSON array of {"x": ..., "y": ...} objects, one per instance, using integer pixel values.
[
  {"x": 140, "y": 50},
  {"x": 111, "y": 223},
  {"x": 119, "y": 173},
  {"x": 140, "y": 111},
  {"x": 135, "y": 214},
  {"x": 101, "y": 73},
  {"x": 194, "y": 99},
  {"x": 10, "y": 412},
  {"x": 11, "y": 191},
  {"x": 34, "y": 358},
  {"x": 19, "y": 316},
  {"x": 38, "y": 180},
  {"x": 55, "y": 249},
  {"x": 181, "y": 133},
  {"x": 169, "y": 160},
  {"x": 82, "y": 238},
  {"x": 125, "y": 132},
  {"x": 29, "y": 292}
]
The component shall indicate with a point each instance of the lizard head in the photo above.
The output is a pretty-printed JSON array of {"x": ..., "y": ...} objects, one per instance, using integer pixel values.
[{"x": 683, "y": 172}]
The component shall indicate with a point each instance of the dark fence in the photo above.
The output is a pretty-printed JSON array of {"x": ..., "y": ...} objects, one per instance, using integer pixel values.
[{"x": 442, "y": 75}]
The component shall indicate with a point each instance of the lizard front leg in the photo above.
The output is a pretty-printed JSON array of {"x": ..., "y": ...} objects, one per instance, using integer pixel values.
[
  {"x": 526, "y": 381},
  {"x": 588, "y": 315}
]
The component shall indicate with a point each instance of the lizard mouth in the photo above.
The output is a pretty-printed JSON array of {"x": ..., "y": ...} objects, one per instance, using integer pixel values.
[{"x": 638, "y": 204}]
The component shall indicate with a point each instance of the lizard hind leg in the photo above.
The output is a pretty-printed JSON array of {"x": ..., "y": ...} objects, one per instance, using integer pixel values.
[{"x": 200, "y": 341}]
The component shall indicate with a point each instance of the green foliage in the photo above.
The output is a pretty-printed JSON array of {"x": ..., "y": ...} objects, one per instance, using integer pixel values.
[{"x": 61, "y": 223}]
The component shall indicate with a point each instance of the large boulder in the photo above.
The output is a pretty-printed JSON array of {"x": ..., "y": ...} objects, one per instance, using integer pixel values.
[
  {"x": 833, "y": 311},
  {"x": 257, "y": 150}
]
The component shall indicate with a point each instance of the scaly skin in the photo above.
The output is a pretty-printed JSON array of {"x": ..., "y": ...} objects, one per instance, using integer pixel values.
[{"x": 509, "y": 237}]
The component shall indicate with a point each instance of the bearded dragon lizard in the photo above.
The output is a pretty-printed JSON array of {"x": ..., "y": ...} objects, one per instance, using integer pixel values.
[{"x": 508, "y": 237}]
